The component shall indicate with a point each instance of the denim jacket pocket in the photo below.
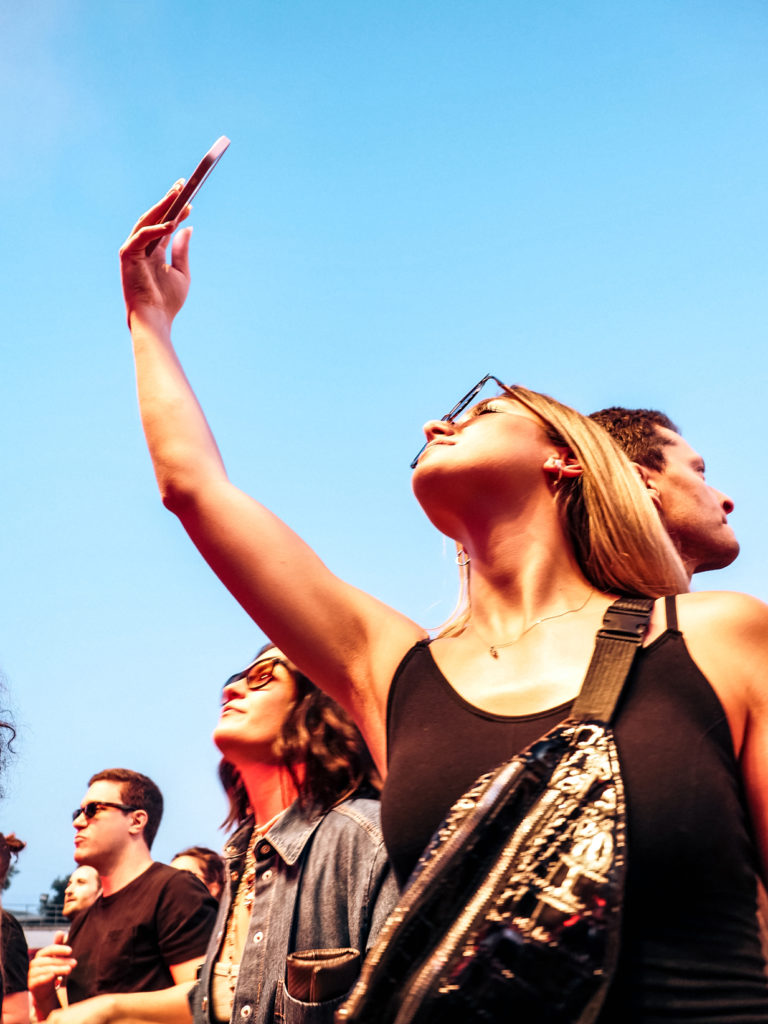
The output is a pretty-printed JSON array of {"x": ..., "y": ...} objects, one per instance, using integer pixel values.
[{"x": 293, "y": 1011}]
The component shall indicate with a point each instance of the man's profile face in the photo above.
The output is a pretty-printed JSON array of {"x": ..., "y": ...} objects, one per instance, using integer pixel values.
[
  {"x": 100, "y": 840},
  {"x": 82, "y": 889},
  {"x": 694, "y": 513}
]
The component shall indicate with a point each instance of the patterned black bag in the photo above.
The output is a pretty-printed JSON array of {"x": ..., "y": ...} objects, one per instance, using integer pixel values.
[{"x": 513, "y": 912}]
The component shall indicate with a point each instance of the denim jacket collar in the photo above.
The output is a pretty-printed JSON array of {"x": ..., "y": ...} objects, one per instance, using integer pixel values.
[{"x": 289, "y": 835}]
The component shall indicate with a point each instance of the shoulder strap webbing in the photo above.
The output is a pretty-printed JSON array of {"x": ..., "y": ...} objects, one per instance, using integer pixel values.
[
  {"x": 670, "y": 607},
  {"x": 624, "y": 626}
]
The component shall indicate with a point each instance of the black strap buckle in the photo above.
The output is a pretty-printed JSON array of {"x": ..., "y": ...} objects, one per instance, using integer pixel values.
[{"x": 622, "y": 623}]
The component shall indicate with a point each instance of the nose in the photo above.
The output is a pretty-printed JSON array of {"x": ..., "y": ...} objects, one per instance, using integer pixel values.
[
  {"x": 230, "y": 691},
  {"x": 726, "y": 503},
  {"x": 438, "y": 428}
]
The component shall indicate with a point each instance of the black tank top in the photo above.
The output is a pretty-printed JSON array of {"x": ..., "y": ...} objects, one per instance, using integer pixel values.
[{"x": 690, "y": 940}]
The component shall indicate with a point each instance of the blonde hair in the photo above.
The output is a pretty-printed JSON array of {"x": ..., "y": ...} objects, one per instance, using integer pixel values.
[{"x": 617, "y": 536}]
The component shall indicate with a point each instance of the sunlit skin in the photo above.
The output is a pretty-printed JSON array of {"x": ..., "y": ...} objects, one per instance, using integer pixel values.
[
  {"x": 81, "y": 891},
  {"x": 487, "y": 484},
  {"x": 694, "y": 513},
  {"x": 101, "y": 841},
  {"x": 247, "y": 732}
]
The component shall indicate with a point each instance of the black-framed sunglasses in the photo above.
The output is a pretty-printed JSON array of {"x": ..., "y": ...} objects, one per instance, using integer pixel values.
[
  {"x": 92, "y": 808},
  {"x": 258, "y": 673},
  {"x": 462, "y": 404}
]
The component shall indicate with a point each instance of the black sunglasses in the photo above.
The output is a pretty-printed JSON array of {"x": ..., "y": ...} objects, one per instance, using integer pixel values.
[
  {"x": 461, "y": 405},
  {"x": 92, "y": 808},
  {"x": 258, "y": 673}
]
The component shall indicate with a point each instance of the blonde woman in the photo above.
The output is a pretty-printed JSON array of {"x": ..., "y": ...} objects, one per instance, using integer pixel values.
[{"x": 551, "y": 523}]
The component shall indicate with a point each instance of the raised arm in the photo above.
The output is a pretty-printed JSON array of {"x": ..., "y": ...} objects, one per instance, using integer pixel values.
[{"x": 345, "y": 640}]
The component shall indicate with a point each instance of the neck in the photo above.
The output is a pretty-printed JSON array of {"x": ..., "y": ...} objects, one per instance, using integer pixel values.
[
  {"x": 124, "y": 869},
  {"x": 270, "y": 789},
  {"x": 518, "y": 576}
]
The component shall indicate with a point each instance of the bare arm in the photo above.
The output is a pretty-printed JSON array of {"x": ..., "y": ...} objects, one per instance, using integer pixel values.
[
  {"x": 182, "y": 973},
  {"x": 166, "y": 1006},
  {"x": 345, "y": 640},
  {"x": 16, "y": 1008}
]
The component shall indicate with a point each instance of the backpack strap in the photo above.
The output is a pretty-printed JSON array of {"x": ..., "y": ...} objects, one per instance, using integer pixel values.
[{"x": 616, "y": 644}]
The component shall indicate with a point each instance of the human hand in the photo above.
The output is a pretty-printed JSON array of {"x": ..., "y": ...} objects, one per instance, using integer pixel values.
[
  {"x": 149, "y": 283},
  {"x": 47, "y": 967}
]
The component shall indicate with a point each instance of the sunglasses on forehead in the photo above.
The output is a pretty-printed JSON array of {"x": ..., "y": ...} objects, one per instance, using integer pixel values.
[
  {"x": 464, "y": 403},
  {"x": 92, "y": 808}
]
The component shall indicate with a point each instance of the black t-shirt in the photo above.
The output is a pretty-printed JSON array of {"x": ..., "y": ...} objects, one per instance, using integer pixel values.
[
  {"x": 127, "y": 942},
  {"x": 14, "y": 954}
]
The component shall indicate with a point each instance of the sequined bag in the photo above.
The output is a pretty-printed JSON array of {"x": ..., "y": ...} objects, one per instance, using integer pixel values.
[{"x": 513, "y": 912}]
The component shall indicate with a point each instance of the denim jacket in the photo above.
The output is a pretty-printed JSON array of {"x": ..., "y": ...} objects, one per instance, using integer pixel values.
[{"x": 322, "y": 881}]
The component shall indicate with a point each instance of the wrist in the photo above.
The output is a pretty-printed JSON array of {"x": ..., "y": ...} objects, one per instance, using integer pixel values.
[{"x": 149, "y": 318}]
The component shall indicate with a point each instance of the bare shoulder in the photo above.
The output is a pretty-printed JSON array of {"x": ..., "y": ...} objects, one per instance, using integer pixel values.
[
  {"x": 727, "y": 636},
  {"x": 725, "y": 612}
]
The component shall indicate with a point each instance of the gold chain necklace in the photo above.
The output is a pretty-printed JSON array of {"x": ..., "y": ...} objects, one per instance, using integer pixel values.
[
  {"x": 243, "y": 902},
  {"x": 493, "y": 649}
]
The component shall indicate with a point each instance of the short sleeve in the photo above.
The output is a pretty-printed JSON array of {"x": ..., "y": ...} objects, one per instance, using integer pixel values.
[{"x": 186, "y": 913}]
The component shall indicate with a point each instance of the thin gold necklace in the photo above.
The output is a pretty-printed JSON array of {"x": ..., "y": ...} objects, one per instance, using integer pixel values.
[
  {"x": 243, "y": 902},
  {"x": 493, "y": 649}
]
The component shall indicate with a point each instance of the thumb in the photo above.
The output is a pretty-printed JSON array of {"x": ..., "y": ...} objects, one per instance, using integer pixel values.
[
  {"x": 180, "y": 251},
  {"x": 60, "y": 938}
]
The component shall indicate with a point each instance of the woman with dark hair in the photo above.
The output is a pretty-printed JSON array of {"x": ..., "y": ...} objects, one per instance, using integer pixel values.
[
  {"x": 551, "y": 524},
  {"x": 206, "y": 864},
  {"x": 309, "y": 884}
]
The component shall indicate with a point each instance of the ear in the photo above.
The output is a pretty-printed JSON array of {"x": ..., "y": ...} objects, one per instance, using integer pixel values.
[
  {"x": 648, "y": 479},
  {"x": 139, "y": 821},
  {"x": 564, "y": 464}
]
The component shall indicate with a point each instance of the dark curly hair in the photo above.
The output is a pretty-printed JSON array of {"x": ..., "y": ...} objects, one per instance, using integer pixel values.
[
  {"x": 320, "y": 737},
  {"x": 634, "y": 431},
  {"x": 7, "y": 731}
]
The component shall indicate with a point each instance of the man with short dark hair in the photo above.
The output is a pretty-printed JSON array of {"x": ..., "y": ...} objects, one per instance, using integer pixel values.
[
  {"x": 694, "y": 513},
  {"x": 149, "y": 928}
]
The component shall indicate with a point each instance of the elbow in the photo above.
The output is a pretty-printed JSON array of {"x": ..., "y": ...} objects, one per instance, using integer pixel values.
[{"x": 178, "y": 494}]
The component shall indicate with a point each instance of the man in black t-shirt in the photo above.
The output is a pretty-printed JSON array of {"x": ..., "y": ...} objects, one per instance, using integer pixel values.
[{"x": 149, "y": 928}]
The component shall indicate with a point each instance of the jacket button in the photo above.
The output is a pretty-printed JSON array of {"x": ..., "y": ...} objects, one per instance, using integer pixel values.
[
  {"x": 267, "y": 875},
  {"x": 245, "y": 1012},
  {"x": 258, "y": 937},
  {"x": 205, "y": 1003}
]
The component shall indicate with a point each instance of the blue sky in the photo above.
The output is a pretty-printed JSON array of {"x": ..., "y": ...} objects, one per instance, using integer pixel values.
[{"x": 567, "y": 194}]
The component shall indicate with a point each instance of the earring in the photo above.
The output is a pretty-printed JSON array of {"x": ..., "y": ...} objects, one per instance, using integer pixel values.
[
  {"x": 462, "y": 558},
  {"x": 557, "y": 464}
]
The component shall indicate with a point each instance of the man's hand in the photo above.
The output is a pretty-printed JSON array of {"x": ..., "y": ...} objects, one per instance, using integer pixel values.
[{"x": 48, "y": 966}]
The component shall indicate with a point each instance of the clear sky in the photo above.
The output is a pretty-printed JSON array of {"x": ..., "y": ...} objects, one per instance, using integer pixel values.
[{"x": 569, "y": 194}]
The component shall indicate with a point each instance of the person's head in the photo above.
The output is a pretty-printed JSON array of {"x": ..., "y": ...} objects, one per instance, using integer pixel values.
[
  {"x": 82, "y": 890},
  {"x": 10, "y": 846},
  {"x": 121, "y": 810},
  {"x": 272, "y": 714},
  {"x": 694, "y": 513},
  {"x": 206, "y": 864},
  {"x": 543, "y": 454}
]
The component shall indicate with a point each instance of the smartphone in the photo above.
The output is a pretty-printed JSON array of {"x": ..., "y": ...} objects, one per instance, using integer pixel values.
[{"x": 193, "y": 183}]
